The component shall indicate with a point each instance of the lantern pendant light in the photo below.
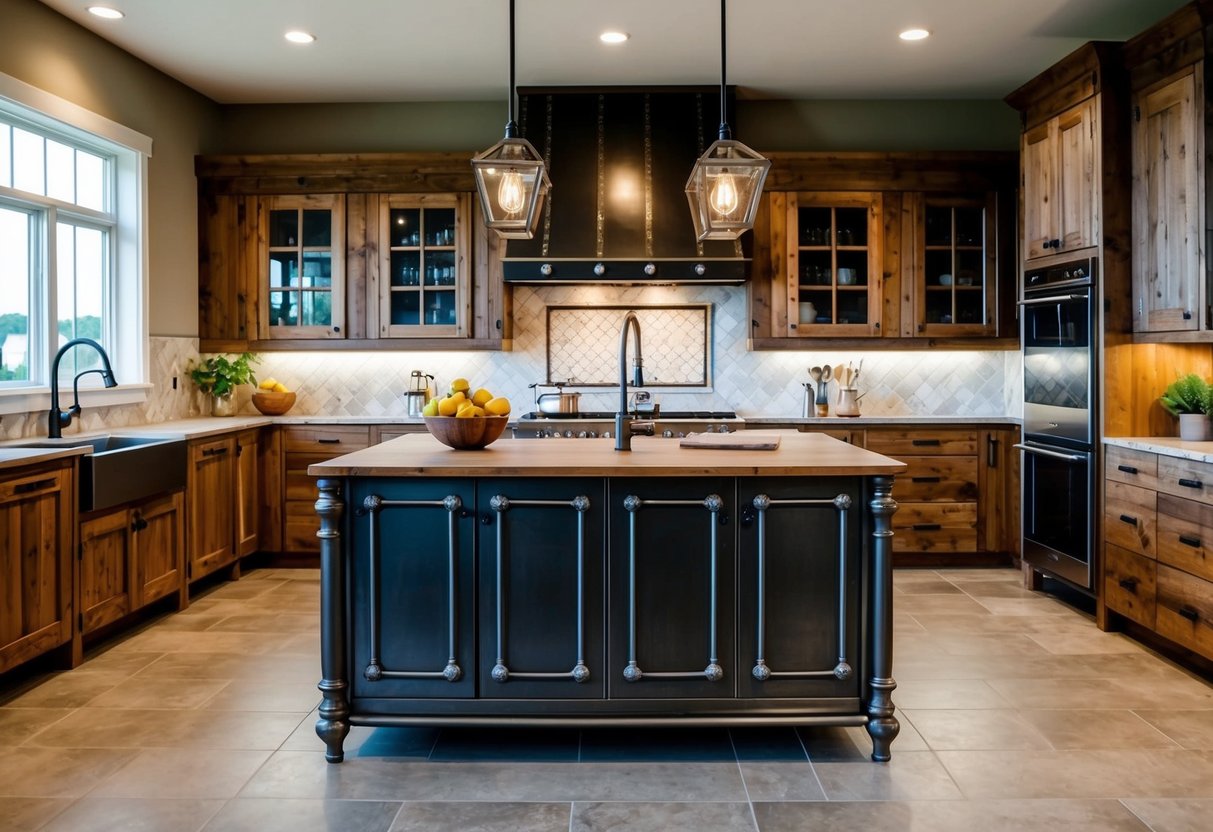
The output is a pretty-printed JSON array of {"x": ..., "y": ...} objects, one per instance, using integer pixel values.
[
  {"x": 511, "y": 179},
  {"x": 726, "y": 182}
]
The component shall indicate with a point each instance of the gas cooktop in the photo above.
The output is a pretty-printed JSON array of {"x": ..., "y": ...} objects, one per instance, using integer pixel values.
[
  {"x": 602, "y": 416},
  {"x": 600, "y": 425}
]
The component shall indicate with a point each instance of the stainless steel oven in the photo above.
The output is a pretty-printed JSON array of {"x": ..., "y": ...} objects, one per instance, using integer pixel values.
[{"x": 1059, "y": 326}]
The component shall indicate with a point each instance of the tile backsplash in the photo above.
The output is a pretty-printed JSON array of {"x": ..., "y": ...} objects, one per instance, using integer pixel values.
[{"x": 768, "y": 384}]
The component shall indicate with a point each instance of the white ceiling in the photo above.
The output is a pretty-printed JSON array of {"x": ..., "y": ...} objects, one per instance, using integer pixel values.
[{"x": 444, "y": 50}]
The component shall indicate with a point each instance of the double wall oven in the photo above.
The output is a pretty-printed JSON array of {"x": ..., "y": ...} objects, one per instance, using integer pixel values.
[{"x": 1059, "y": 312}]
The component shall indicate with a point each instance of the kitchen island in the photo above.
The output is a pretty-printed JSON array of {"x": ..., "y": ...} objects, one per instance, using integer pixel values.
[{"x": 565, "y": 583}]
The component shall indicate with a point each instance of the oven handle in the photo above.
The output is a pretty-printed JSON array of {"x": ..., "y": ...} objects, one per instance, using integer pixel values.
[
  {"x": 1032, "y": 449},
  {"x": 1051, "y": 299}
]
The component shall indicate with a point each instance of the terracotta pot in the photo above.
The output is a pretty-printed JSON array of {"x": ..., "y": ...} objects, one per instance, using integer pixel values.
[{"x": 1195, "y": 427}]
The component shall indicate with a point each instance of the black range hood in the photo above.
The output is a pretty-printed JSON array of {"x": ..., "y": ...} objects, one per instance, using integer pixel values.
[{"x": 619, "y": 159}]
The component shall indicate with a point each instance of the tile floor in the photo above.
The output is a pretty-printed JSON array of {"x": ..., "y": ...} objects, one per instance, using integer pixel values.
[{"x": 1016, "y": 714}]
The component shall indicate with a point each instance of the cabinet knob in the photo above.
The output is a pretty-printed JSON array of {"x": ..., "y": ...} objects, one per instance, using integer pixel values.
[
  {"x": 700, "y": 269},
  {"x": 650, "y": 269},
  {"x": 546, "y": 269},
  {"x": 600, "y": 269},
  {"x": 1189, "y": 613}
]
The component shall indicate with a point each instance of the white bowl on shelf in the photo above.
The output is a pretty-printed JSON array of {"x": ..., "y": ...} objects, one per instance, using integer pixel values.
[{"x": 945, "y": 280}]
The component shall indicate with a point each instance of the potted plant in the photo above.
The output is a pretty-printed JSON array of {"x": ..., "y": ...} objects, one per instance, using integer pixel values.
[
  {"x": 1191, "y": 399},
  {"x": 220, "y": 376}
]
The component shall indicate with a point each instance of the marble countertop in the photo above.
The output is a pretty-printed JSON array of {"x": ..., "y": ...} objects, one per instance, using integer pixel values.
[
  {"x": 18, "y": 457},
  {"x": 850, "y": 421},
  {"x": 1166, "y": 446}
]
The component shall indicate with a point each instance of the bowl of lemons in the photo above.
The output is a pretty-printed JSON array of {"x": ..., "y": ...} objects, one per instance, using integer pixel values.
[
  {"x": 272, "y": 398},
  {"x": 466, "y": 419}
]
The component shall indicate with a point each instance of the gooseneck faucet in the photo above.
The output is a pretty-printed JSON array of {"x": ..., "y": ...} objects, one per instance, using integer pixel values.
[
  {"x": 57, "y": 419},
  {"x": 623, "y": 420}
]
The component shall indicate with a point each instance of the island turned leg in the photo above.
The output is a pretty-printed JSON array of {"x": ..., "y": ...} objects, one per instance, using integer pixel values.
[
  {"x": 882, "y": 725},
  {"x": 333, "y": 725}
]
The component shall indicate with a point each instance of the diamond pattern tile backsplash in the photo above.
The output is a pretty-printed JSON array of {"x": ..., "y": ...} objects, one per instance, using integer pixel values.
[
  {"x": 767, "y": 384},
  {"x": 583, "y": 345}
]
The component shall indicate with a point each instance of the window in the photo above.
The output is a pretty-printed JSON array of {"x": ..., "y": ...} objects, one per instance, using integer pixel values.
[{"x": 71, "y": 247}]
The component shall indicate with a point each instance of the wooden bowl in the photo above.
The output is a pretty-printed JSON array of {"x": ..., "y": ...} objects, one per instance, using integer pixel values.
[
  {"x": 273, "y": 404},
  {"x": 467, "y": 434}
]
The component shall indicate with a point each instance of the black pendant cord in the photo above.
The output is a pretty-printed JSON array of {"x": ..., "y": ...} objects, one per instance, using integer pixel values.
[
  {"x": 511, "y": 128},
  {"x": 725, "y": 133}
]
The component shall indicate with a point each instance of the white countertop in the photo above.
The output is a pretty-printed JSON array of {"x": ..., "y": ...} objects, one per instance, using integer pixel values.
[
  {"x": 1166, "y": 446},
  {"x": 850, "y": 421}
]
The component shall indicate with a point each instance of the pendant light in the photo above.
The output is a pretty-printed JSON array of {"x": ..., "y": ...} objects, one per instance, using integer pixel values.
[
  {"x": 726, "y": 182},
  {"x": 511, "y": 179}
]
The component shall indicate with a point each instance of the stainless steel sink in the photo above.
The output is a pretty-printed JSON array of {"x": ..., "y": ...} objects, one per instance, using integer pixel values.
[{"x": 119, "y": 469}]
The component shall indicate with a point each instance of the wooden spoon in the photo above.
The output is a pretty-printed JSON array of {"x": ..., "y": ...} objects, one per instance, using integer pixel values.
[{"x": 815, "y": 374}]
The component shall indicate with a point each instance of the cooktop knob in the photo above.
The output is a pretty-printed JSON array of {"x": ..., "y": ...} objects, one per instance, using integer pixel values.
[{"x": 667, "y": 434}]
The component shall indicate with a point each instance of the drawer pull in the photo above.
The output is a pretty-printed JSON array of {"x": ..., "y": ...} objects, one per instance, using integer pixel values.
[
  {"x": 1132, "y": 521},
  {"x": 1130, "y": 584},
  {"x": 214, "y": 451},
  {"x": 1189, "y": 613},
  {"x": 926, "y": 527},
  {"x": 1194, "y": 542},
  {"x": 36, "y": 485},
  {"x": 328, "y": 441},
  {"x": 925, "y": 443},
  {"x": 925, "y": 479},
  {"x": 1192, "y": 483},
  {"x": 1128, "y": 469}
]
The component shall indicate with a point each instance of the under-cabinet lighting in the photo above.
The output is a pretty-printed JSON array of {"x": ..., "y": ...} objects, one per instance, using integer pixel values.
[
  {"x": 613, "y": 37},
  {"x": 297, "y": 36},
  {"x": 914, "y": 34},
  {"x": 106, "y": 12}
]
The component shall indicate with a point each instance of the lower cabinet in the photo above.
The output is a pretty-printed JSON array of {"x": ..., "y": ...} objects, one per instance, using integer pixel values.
[
  {"x": 129, "y": 557},
  {"x": 37, "y": 522},
  {"x": 211, "y": 485},
  {"x": 301, "y": 446}
]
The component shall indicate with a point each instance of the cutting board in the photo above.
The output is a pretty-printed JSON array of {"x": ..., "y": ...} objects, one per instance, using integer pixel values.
[{"x": 741, "y": 441}]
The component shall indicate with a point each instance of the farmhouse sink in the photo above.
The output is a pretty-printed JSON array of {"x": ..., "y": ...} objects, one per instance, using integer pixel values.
[{"x": 120, "y": 469}]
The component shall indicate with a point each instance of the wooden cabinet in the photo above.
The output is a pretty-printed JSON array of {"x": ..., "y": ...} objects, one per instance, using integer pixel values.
[
  {"x": 211, "y": 486},
  {"x": 346, "y": 252},
  {"x": 540, "y": 585},
  {"x": 1061, "y": 182},
  {"x": 302, "y": 445},
  {"x": 249, "y": 499},
  {"x": 129, "y": 558},
  {"x": 382, "y": 433},
  {"x": 37, "y": 522},
  {"x": 834, "y": 262}
]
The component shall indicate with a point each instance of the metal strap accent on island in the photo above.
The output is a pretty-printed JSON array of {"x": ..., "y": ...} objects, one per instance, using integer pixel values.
[
  {"x": 501, "y": 504},
  {"x": 375, "y": 671},
  {"x": 762, "y": 504},
  {"x": 632, "y": 673}
]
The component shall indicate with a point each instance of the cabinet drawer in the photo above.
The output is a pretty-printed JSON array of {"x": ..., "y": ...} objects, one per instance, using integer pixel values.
[
  {"x": 946, "y": 478},
  {"x": 1129, "y": 584},
  {"x": 935, "y": 527},
  {"x": 220, "y": 448},
  {"x": 922, "y": 442},
  {"x": 1130, "y": 517},
  {"x": 298, "y": 484},
  {"x": 1186, "y": 478},
  {"x": 331, "y": 439},
  {"x": 300, "y": 526},
  {"x": 1185, "y": 535},
  {"x": 1133, "y": 467},
  {"x": 31, "y": 485},
  {"x": 1184, "y": 609}
]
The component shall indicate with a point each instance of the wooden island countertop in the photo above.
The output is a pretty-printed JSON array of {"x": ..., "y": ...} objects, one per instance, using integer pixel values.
[{"x": 798, "y": 454}]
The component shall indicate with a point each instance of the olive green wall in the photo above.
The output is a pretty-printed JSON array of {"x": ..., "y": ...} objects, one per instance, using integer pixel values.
[{"x": 46, "y": 50}]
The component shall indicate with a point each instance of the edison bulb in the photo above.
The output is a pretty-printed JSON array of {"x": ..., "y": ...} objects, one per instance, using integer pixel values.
[
  {"x": 724, "y": 194},
  {"x": 511, "y": 195}
]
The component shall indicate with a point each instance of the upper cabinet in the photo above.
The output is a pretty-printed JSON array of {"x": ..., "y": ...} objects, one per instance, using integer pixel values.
[
  {"x": 346, "y": 252},
  {"x": 1166, "y": 67},
  {"x": 891, "y": 248},
  {"x": 1061, "y": 183}
]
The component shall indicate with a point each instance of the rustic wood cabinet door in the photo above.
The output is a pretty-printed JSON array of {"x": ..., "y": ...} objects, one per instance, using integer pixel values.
[
  {"x": 36, "y": 519},
  {"x": 159, "y": 548},
  {"x": 1168, "y": 208},
  {"x": 248, "y": 492},
  {"x": 1037, "y": 152},
  {"x": 1077, "y": 178},
  {"x": 211, "y": 488},
  {"x": 105, "y": 569}
]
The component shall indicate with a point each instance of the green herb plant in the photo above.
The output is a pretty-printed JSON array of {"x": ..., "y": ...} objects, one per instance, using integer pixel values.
[
  {"x": 219, "y": 376},
  {"x": 1187, "y": 394}
]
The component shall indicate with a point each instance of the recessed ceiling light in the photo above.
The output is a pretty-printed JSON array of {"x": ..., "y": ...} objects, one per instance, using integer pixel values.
[
  {"x": 106, "y": 12},
  {"x": 914, "y": 34},
  {"x": 297, "y": 36},
  {"x": 613, "y": 37}
]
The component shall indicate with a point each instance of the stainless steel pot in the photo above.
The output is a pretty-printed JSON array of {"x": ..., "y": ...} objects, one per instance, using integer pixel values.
[{"x": 558, "y": 402}]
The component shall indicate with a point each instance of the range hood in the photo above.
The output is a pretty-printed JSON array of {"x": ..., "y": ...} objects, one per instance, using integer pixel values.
[{"x": 619, "y": 159}]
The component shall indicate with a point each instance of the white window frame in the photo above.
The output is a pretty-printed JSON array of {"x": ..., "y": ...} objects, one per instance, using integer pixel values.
[{"x": 126, "y": 316}]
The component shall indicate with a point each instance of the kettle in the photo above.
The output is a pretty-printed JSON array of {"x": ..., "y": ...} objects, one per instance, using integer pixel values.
[
  {"x": 419, "y": 393},
  {"x": 557, "y": 402}
]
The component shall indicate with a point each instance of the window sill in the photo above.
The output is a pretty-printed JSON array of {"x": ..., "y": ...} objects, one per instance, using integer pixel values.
[{"x": 35, "y": 399}]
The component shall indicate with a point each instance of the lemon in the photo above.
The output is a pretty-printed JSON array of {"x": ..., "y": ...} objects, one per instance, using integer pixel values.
[
  {"x": 467, "y": 412},
  {"x": 464, "y": 405},
  {"x": 448, "y": 406},
  {"x": 268, "y": 384},
  {"x": 499, "y": 406},
  {"x": 460, "y": 385},
  {"x": 279, "y": 387},
  {"x": 431, "y": 408},
  {"x": 481, "y": 396},
  {"x": 476, "y": 411}
]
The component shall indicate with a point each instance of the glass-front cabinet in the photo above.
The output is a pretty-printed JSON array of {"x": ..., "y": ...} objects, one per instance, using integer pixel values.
[
  {"x": 834, "y": 264},
  {"x": 953, "y": 264},
  {"x": 302, "y": 266},
  {"x": 424, "y": 282}
]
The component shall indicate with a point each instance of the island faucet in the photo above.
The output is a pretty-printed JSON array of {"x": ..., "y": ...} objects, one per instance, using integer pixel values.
[
  {"x": 57, "y": 419},
  {"x": 623, "y": 420}
]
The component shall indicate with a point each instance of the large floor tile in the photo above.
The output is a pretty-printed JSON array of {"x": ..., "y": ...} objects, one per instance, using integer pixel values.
[
  {"x": 990, "y": 729},
  {"x": 19, "y": 724},
  {"x": 160, "y": 693},
  {"x": 483, "y": 817},
  {"x": 113, "y": 728},
  {"x": 250, "y": 815},
  {"x": 176, "y": 772},
  {"x": 654, "y": 745},
  {"x": 949, "y": 816},
  {"x": 505, "y": 744},
  {"x": 781, "y": 781},
  {"x": 1098, "y": 729},
  {"x": 58, "y": 772},
  {"x": 662, "y": 817},
  {"x": 950, "y": 694},
  {"x": 1173, "y": 814},
  {"x": 1190, "y": 729},
  {"x": 94, "y": 814},
  {"x": 853, "y": 744},
  {"x": 247, "y": 694},
  {"x": 768, "y": 745},
  {"x": 65, "y": 690},
  {"x": 24, "y": 814},
  {"x": 910, "y": 775}
]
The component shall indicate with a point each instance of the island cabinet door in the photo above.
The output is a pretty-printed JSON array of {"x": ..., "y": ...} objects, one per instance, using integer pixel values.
[
  {"x": 542, "y": 557},
  {"x": 412, "y": 579},
  {"x": 799, "y": 544},
  {"x": 670, "y": 617}
]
